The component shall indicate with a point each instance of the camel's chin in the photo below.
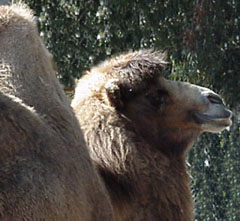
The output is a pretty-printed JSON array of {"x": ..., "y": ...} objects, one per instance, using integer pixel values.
[{"x": 213, "y": 123}]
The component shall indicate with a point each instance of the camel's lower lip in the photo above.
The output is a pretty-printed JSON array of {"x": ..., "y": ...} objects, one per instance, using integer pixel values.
[{"x": 214, "y": 119}]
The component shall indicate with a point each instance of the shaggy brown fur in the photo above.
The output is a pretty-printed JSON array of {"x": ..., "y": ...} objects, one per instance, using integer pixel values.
[
  {"x": 45, "y": 169},
  {"x": 138, "y": 127}
]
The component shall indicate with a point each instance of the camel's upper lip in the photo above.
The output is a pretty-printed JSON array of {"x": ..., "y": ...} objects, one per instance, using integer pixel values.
[{"x": 211, "y": 117}]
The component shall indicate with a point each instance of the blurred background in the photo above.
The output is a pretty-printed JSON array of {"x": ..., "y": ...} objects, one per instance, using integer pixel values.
[{"x": 202, "y": 38}]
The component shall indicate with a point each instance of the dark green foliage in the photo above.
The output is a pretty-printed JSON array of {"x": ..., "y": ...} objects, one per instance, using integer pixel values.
[
  {"x": 214, "y": 166},
  {"x": 203, "y": 42}
]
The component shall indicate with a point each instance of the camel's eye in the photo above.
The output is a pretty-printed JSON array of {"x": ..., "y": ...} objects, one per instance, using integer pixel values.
[{"x": 158, "y": 98}]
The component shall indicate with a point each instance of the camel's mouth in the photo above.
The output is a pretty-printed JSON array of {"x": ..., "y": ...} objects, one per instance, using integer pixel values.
[{"x": 214, "y": 123}]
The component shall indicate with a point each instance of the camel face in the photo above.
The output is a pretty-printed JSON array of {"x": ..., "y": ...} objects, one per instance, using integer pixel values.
[
  {"x": 176, "y": 112},
  {"x": 204, "y": 108}
]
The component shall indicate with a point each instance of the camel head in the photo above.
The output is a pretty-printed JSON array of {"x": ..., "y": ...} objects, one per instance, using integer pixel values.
[{"x": 161, "y": 110}]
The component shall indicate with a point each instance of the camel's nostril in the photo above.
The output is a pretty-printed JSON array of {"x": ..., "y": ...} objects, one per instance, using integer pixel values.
[
  {"x": 228, "y": 114},
  {"x": 215, "y": 99}
]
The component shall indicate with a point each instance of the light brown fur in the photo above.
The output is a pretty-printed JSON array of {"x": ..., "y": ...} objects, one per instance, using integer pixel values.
[
  {"x": 139, "y": 127},
  {"x": 45, "y": 169}
]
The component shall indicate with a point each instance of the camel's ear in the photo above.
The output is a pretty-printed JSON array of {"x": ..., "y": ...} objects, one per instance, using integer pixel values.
[{"x": 113, "y": 92}]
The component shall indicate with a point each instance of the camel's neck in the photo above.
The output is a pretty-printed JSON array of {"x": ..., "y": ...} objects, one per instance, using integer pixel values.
[
  {"x": 157, "y": 187},
  {"x": 165, "y": 177},
  {"x": 142, "y": 179}
]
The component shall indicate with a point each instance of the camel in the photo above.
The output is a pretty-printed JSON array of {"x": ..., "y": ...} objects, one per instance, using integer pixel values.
[
  {"x": 139, "y": 127},
  {"x": 45, "y": 168}
]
